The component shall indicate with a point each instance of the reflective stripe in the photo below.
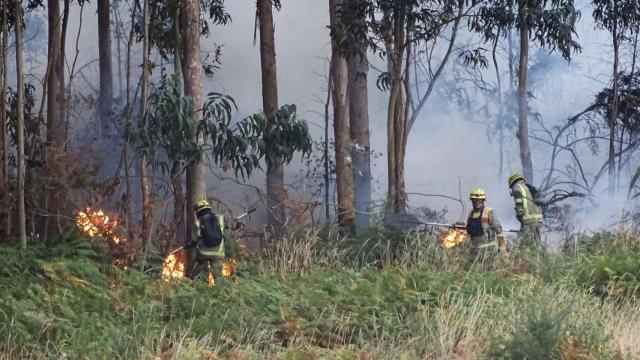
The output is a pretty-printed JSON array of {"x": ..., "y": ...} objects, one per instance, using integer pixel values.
[
  {"x": 215, "y": 251},
  {"x": 527, "y": 215},
  {"x": 485, "y": 214}
]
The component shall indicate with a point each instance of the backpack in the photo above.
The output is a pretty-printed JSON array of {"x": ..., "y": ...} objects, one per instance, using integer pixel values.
[
  {"x": 210, "y": 232},
  {"x": 537, "y": 196}
]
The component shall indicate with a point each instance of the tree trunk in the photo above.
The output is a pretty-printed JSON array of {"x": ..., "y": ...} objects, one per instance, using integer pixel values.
[
  {"x": 276, "y": 195},
  {"x": 344, "y": 173},
  {"x": 176, "y": 172},
  {"x": 327, "y": 212},
  {"x": 396, "y": 120},
  {"x": 523, "y": 110},
  {"x": 3, "y": 122},
  {"x": 144, "y": 176},
  {"x": 54, "y": 124},
  {"x": 614, "y": 113},
  {"x": 21, "y": 164},
  {"x": 192, "y": 71},
  {"x": 61, "y": 58},
  {"x": 105, "y": 100},
  {"x": 359, "y": 131}
]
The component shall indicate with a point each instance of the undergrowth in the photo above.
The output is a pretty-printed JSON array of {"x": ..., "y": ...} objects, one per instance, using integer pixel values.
[{"x": 379, "y": 295}]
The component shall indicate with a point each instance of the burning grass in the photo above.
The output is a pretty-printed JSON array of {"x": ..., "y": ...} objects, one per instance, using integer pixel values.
[{"x": 453, "y": 238}]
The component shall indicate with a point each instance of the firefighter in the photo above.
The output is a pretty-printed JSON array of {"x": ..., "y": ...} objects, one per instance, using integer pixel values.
[
  {"x": 528, "y": 213},
  {"x": 483, "y": 228},
  {"x": 209, "y": 240}
]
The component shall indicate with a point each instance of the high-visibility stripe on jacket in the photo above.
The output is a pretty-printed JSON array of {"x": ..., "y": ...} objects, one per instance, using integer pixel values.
[
  {"x": 490, "y": 224},
  {"x": 216, "y": 251},
  {"x": 525, "y": 205}
]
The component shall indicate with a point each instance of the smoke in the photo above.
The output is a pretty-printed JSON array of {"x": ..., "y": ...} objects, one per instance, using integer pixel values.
[{"x": 449, "y": 151}]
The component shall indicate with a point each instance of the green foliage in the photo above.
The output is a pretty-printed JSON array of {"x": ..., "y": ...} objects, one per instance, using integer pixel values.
[
  {"x": 543, "y": 331},
  {"x": 170, "y": 134},
  {"x": 551, "y": 23},
  {"x": 67, "y": 300}
]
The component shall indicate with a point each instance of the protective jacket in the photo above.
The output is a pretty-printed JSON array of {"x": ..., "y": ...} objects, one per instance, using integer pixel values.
[
  {"x": 483, "y": 225},
  {"x": 210, "y": 239},
  {"x": 527, "y": 211}
]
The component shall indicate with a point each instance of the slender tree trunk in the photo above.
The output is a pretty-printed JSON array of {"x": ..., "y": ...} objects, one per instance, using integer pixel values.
[
  {"x": 326, "y": 146},
  {"x": 614, "y": 113},
  {"x": 54, "y": 125},
  {"x": 359, "y": 131},
  {"x": 176, "y": 172},
  {"x": 276, "y": 195},
  {"x": 523, "y": 109},
  {"x": 106, "y": 76},
  {"x": 6, "y": 204},
  {"x": 63, "y": 92},
  {"x": 500, "y": 106},
  {"x": 21, "y": 164},
  {"x": 396, "y": 120},
  {"x": 144, "y": 176},
  {"x": 344, "y": 173},
  {"x": 192, "y": 71}
]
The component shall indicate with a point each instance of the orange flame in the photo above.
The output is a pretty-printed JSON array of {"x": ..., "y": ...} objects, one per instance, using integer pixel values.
[
  {"x": 227, "y": 271},
  {"x": 453, "y": 238},
  {"x": 97, "y": 223},
  {"x": 173, "y": 268}
]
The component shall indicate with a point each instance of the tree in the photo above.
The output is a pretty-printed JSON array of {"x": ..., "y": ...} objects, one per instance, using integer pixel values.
[
  {"x": 144, "y": 84},
  {"x": 276, "y": 195},
  {"x": 549, "y": 23},
  {"x": 359, "y": 121},
  {"x": 4, "y": 148},
  {"x": 621, "y": 18},
  {"x": 105, "y": 99},
  {"x": 192, "y": 71},
  {"x": 340, "y": 78},
  {"x": 19, "y": 23}
]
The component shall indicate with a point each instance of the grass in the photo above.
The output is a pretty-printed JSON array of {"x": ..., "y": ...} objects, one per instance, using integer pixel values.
[{"x": 381, "y": 295}]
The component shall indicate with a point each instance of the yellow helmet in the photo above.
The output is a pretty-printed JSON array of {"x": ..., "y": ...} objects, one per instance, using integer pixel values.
[
  {"x": 478, "y": 194},
  {"x": 201, "y": 205},
  {"x": 515, "y": 176}
]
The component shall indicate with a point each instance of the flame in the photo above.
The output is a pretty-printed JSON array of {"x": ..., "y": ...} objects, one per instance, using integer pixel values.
[
  {"x": 227, "y": 271},
  {"x": 173, "y": 268},
  {"x": 453, "y": 238},
  {"x": 96, "y": 223}
]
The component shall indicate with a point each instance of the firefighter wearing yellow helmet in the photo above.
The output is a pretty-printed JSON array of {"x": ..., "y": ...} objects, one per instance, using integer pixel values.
[
  {"x": 209, "y": 239},
  {"x": 483, "y": 228},
  {"x": 528, "y": 213}
]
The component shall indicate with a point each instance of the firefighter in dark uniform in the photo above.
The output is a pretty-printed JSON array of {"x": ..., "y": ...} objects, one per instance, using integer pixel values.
[
  {"x": 483, "y": 228},
  {"x": 209, "y": 240}
]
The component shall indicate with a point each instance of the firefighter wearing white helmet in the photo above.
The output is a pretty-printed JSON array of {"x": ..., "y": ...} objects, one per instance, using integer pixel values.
[
  {"x": 209, "y": 239},
  {"x": 528, "y": 213},
  {"x": 483, "y": 228}
]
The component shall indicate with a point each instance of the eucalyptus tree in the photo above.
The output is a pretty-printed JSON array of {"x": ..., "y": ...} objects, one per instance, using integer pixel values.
[
  {"x": 339, "y": 76},
  {"x": 19, "y": 24},
  {"x": 105, "y": 99},
  {"x": 276, "y": 195},
  {"x": 549, "y": 23},
  {"x": 622, "y": 19},
  {"x": 402, "y": 30}
]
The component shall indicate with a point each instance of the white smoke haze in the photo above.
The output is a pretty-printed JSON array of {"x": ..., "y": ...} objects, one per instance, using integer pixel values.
[{"x": 448, "y": 152}]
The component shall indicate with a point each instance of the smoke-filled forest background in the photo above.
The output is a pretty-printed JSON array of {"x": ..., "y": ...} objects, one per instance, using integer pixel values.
[{"x": 338, "y": 121}]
